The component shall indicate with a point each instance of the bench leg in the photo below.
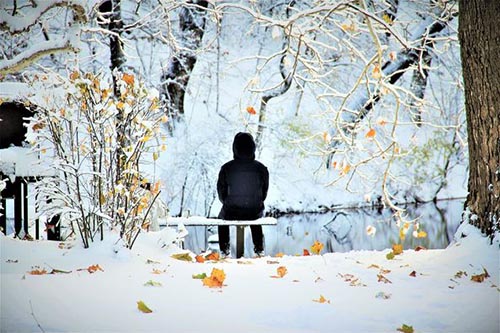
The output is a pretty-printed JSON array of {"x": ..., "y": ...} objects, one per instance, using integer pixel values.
[
  {"x": 3, "y": 217},
  {"x": 240, "y": 241}
]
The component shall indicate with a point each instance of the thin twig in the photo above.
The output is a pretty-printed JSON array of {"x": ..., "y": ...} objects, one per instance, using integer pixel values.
[{"x": 34, "y": 317}]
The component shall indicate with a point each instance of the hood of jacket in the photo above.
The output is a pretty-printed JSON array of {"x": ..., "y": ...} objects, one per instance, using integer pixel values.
[{"x": 244, "y": 146}]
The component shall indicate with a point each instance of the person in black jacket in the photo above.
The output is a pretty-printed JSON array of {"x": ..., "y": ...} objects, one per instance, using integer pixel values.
[{"x": 242, "y": 188}]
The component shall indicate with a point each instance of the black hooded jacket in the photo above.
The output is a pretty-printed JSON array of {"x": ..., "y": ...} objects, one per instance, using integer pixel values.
[{"x": 243, "y": 182}]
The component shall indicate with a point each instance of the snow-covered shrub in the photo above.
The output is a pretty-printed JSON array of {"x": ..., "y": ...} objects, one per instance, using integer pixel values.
[{"x": 103, "y": 146}]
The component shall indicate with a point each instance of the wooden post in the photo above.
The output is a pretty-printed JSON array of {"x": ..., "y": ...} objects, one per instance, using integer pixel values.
[
  {"x": 3, "y": 217},
  {"x": 240, "y": 241},
  {"x": 18, "y": 210}
]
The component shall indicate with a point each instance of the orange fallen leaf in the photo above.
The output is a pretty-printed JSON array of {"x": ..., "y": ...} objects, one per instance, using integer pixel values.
[
  {"x": 199, "y": 258},
  {"x": 420, "y": 248},
  {"x": 251, "y": 110},
  {"x": 281, "y": 272},
  {"x": 216, "y": 278},
  {"x": 279, "y": 255},
  {"x": 317, "y": 247},
  {"x": 213, "y": 256},
  {"x": 321, "y": 299},
  {"x": 94, "y": 268},
  {"x": 306, "y": 252},
  {"x": 413, "y": 274},
  {"x": 38, "y": 271}
]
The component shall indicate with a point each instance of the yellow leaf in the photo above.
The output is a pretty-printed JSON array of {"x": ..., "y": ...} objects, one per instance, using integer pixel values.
[
  {"x": 143, "y": 307},
  {"x": 321, "y": 299},
  {"x": 182, "y": 256},
  {"x": 155, "y": 156},
  {"x": 397, "y": 249},
  {"x": 216, "y": 279},
  {"x": 387, "y": 18},
  {"x": 317, "y": 247},
  {"x": 402, "y": 234},
  {"x": 279, "y": 255},
  {"x": 421, "y": 234},
  {"x": 345, "y": 169},
  {"x": 38, "y": 271}
]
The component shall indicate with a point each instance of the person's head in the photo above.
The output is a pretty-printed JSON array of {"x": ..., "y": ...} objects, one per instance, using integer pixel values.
[{"x": 244, "y": 146}]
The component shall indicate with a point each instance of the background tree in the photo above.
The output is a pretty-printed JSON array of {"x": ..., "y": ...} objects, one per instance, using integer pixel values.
[{"x": 480, "y": 50}]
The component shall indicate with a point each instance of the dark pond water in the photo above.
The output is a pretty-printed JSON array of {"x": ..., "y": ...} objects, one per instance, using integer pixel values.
[{"x": 344, "y": 230}]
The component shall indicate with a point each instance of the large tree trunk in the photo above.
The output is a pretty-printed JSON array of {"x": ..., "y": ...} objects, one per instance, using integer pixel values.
[
  {"x": 480, "y": 52},
  {"x": 176, "y": 77}
]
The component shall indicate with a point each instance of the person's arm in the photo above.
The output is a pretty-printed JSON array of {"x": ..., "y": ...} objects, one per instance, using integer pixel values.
[
  {"x": 265, "y": 185},
  {"x": 222, "y": 185}
]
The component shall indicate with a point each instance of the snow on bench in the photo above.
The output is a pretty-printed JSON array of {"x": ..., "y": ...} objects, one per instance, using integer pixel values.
[
  {"x": 205, "y": 221},
  {"x": 240, "y": 226}
]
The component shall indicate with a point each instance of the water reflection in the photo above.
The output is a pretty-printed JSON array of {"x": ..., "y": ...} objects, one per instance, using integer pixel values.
[{"x": 344, "y": 230}]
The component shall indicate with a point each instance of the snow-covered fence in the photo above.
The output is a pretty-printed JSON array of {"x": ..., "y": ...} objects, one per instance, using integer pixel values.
[
  {"x": 239, "y": 224},
  {"x": 19, "y": 166}
]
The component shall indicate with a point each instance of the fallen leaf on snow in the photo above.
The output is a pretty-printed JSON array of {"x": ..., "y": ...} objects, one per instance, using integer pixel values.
[
  {"x": 143, "y": 307},
  {"x": 321, "y": 299},
  {"x": 383, "y": 279},
  {"x": 200, "y": 276},
  {"x": 37, "y": 271},
  {"x": 317, "y": 247},
  {"x": 406, "y": 329},
  {"x": 480, "y": 277},
  {"x": 182, "y": 256},
  {"x": 413, "y": 274},
  {"x": 280, "y": 272},
  {"x": 216, "y": 278},
  {"x": 152, "y": 283}
]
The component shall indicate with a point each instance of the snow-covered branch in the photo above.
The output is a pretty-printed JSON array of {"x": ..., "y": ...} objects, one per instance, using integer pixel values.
[
  {"x": 31, "y": 16},
  {"x": 34, "y": 53}
]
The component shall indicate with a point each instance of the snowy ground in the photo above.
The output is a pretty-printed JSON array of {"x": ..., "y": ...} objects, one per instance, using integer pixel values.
[{"x": 441, "y": 297}]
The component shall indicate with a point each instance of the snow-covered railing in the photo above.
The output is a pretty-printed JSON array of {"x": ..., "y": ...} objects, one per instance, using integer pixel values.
[{"x": 239, "y": 224}]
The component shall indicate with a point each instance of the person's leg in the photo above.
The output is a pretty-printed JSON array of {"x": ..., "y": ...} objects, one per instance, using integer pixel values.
[
  {"x": 224, "y": 245},
  {"x": 258, "y": 238}
]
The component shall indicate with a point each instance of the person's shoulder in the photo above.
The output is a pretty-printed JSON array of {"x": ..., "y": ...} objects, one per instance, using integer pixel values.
[{"x": 260, "y": 165}]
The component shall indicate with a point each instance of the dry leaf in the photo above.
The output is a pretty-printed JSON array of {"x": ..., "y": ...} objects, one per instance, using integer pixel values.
[
  {"x": 281, "y": 272},
  {"x": 199, "y": 258},
  {"x": 216, "y": 278},
  {"x": 94, "y": 268},
  {"x": 213, "y": 256},
  {"x": 143, "y": 307},
  {"x": 419, "y": 248},
  {"x": 397, "y": 249},
  {"x": 251, "y": 110},
  {"x": 157, "y": 271},
  {"x": 383, "y": 279},
  {"x": 321, "y": 299},
  {"x": 128, "y": 78},
  {"x": 38, "y": 271},
  {"x": 413, "y": 274},
  {"x": 376, "y": 72},
  {"x": 279, "y": 255},
  {"x": 317, "y": 247},
  {"x": 182, "y": 256},
  {"x": 306, "y": 252},
  {"x": 480, "y": 277},
  {"x": 371, "y": 133},
  {"x": 406, "y": 329}
]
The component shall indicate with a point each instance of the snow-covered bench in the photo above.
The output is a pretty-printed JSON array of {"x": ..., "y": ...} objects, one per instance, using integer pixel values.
[{"x": 240, "y": 226}]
